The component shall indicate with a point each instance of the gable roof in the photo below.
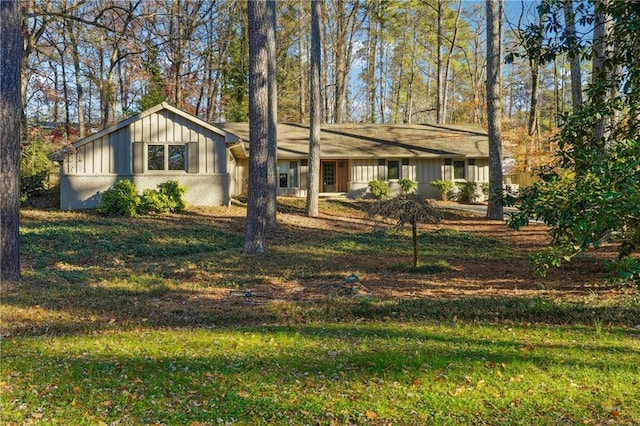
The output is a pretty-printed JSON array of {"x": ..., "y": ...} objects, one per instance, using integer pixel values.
[
  {"x": 376, "y": 140},
  {"x": 229, "y": 138}
]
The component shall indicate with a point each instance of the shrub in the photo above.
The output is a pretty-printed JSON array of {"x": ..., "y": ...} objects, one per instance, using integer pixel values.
[
  {"x": 175, "y": 192},
  {"x": 154, "y": 201},
  {"x": 484, "y": 187},
  {"x": 379, "y": 189},
  {"x": 121, "y": 199},
  {"x": 34, "y": 168},
  {"x": 467, "y": 191},
  {"x": 407, "y": 186},
  {"x": 443, "y": 187},
  {"x": 167, "y": 198}
]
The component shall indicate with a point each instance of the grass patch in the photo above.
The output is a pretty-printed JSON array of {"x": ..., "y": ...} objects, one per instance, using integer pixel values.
[
  {"x": 146, "y": 321},
  {"x": 407, "y": 373},
  {"x": 425, "y": 268}
]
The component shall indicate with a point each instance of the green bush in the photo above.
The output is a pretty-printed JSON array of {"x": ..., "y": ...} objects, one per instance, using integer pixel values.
[
  {"x": 121, "y": 199},
  {"x": 467, "y": 191},
  {"x": 34, "y": 168},
  {"x": 407, "y": 186},
  {"x": 175, "y": 192},
  {"x": 379, "y": 189},
  {"x": 167, "y": 198},
  {"x": 484, "y": 187},
  {"x": 443, "y": 187},
  {"x": 154, "y": 201}
]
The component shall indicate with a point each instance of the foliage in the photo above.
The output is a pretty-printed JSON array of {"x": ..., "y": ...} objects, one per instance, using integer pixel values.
[
  {"x": 467, "y": 191},
  {"x": 121, "y": 199},
  {"x": 380, "y": 189},
  {"x": 592, "y": 193},
  {"x": 34, "y": 168},
  {"x": 174, "y": 193},
  {"x": 154, "y": 201},
  {"x": 411, "y": 209},
  {"x": 444, "y": 187},
  {"x": 484, "y": 187},
  {"x": 407, "y": 186}
]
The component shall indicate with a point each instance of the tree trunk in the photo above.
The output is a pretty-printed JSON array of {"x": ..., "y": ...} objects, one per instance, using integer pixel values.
[
  {"x": 414, "y": 236},
  {"x": 494, "y": 94},
  {"x": 302, "y": 84},
  {"x": 257, "y": 194},
  {"x": 574, "y": 55},
  {"x": 439, "y": 67},
  {"x": 272, "y": 160},
  {"x": 600, "y": 70},
  {"x": 447, "y": 66},
  {"x": 315, "y": 109},
  {"x": 75, "y": 55},
  {"x": 10, "y": 129}
]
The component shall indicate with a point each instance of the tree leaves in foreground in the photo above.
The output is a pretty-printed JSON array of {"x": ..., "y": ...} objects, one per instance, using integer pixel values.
[{"x": 592, "y": 193}]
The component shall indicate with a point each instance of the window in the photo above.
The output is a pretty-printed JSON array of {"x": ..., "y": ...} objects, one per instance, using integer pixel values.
[
  {"x": 405, "y": 161},
  {"x": 471, "y": 161},
  {"x": 459, "y": 170},
  {"x": 393, "y": 170},
  {"x": 166, "y": 157},
  {"x": 155, "y": 159},
  {"x": 176, "y": 157},
  {"x": 288, "y": 174}
]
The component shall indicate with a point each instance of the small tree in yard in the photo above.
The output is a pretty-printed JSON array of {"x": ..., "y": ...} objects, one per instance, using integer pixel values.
[{"x": 411, "y": 209}]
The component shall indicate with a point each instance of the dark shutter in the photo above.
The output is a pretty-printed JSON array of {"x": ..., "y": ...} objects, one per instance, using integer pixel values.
[
  {"x": 138, "y": 157},
  {"x": 192, "y": 157}
]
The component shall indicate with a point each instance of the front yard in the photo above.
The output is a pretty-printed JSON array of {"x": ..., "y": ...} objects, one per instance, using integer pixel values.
[{"x": 161, "y": 320}]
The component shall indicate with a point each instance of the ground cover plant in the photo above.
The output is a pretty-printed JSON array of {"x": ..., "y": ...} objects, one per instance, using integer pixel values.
[{"x": 162, "y": 320}]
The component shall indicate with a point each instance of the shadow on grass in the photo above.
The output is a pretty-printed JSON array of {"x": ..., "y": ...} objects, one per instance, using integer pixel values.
[{"x": 280, "y": 373}]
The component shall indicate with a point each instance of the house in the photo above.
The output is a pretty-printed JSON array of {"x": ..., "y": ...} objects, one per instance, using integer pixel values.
[
  {"x": 165, "y": 143},
  {"x": 160, "y": 144},
  {"x": 352, "y": 155}
]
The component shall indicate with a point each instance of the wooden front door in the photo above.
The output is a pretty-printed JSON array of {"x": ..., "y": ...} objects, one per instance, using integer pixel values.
[{"x": 329, "y": 176}]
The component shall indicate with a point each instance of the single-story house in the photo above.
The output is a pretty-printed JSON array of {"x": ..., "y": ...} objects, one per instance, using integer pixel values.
[
  {"x": 165, "y": 143},
  {"x": 160, "y": 144},
  {"x": 352, "y": 155}
]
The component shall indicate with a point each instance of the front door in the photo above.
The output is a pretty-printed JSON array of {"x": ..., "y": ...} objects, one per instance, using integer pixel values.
[{"x": 329, "y": 176}]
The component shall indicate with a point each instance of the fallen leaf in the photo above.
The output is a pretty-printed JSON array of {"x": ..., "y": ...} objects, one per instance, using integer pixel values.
[
  {"x": 614, "y": 413},
  {"x": 76, "y": 389},
  {"x": 371, "y": 415},
  {"x": 417, "y": 382},
  {"x": 243, "y": 394}
]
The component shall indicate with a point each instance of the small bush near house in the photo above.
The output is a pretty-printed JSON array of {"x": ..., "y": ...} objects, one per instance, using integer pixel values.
[
  {"x": 484, "y": 187},
  {"x": 175, "y": 192},
  {"x": 154, "y": 201},
  {"x": 467, "y": 192},
  {"x": 443, "y": 187},
  {"x": 379, "y": 189},
  {"x": 121, "y": 199},
  {"x": 407, "y": 186},
  {"x": 167, "y": 198}
]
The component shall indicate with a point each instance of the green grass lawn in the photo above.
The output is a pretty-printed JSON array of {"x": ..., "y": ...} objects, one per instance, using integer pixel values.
[{"x": 147, "y": 321}]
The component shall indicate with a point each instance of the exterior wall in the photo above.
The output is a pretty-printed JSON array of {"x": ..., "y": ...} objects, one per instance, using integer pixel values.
[
  {"x": 85, "y": 191},
  {"x": 122, "y": 154}
]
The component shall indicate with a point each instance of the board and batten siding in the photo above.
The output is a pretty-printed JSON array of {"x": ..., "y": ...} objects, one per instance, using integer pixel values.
[{"x": 92, "y": 167}]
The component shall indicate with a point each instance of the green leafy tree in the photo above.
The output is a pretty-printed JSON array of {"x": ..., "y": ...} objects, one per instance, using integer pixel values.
[{"x": 592, "y": 193}]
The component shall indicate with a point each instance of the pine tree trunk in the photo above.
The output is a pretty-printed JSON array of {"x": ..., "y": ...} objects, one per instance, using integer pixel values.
[
  {"x": 315, "y": 109},
  {"x": 272, "y": 167},
  {"x": 257, "y": 194},
  {"x": 10, "y": 122},
  {"x": 494, "y": 112},
  {"x": 574, "y": 55}
]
